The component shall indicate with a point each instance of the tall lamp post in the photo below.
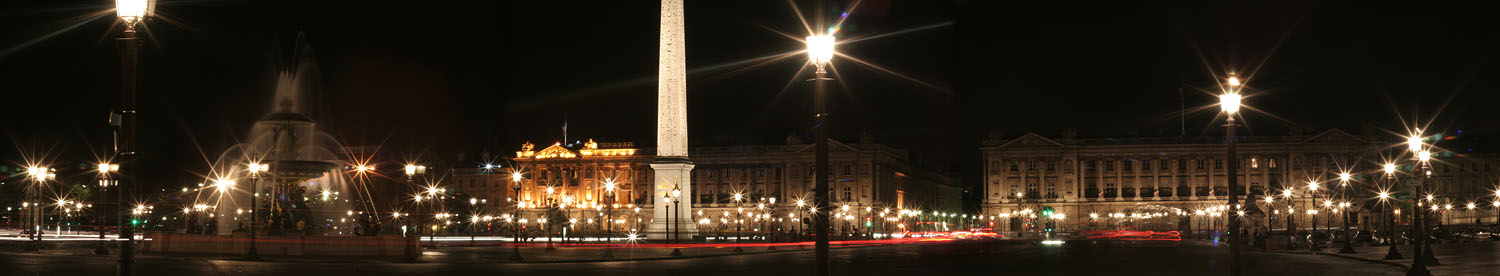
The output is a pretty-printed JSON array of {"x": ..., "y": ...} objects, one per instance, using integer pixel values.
[
  {"x": 771, "y": 217},
  {"x": 609, "y": 200},
  {"x": 412, "y": 239},
  {"x": 737, "y": 215},
  {"x": 1230, "y": 103},
  {"x": 255, "y": 169},
  {"x": 37, "y": 211},
  {"x": 551, "y": 204},
  {"x": 515, "y": 215},
  {"x": 104, "y": 183},
  {"x": 130, "y": 12},
  {"x": 1312, "y": 212},
  {"x": 1421, "y": 171},
  {"x": 1348, "y": 239},
  {"x": 677, "y": 206},
  {"x": 820, "y": 53},
  {"x": 1391, "y": 253}
]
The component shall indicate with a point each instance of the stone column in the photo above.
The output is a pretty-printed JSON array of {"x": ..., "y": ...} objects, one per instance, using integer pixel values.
[{"x": 673, "y": 169}]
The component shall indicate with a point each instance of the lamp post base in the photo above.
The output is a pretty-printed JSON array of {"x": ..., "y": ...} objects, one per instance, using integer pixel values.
[
  {"x": 410, "y": 254},
  {"x": 1427, "y": 257},
  {"x": 515, "y": 254},
  {"x": 1418, "y": 271},
  {"x": 1348, "y": 248},
  {"x": 1392, "y": 254}
]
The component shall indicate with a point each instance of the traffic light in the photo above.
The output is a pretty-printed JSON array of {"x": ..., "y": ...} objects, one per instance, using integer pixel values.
[
  {"x": 1047, "y": 211},
  {"x": 134, "y": 222}
]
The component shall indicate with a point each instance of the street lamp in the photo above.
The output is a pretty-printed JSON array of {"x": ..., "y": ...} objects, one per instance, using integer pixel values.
[
  {"x": 515, "y": 214},
  {"x": 738, "y": 212},
  {"x": 105, "y": 168},
  {"x": 255, "y": 169},
  {"x": 39, "y": 175},
  {"x": 1421, "y": 171},
  {"x": 412, "y": 240},
  {"x": 820, "y": 50},
  {"x": 1229, "y": 102},
  {"x": 1344, "y": 178},
  {"x": 609, "y": 200},
  {"x": 122, "y": 120},
  {"x": 676, "y": 198}
]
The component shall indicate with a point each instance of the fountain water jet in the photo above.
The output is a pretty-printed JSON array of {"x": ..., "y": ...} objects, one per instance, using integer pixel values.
[{"x": 305, "y": 189}]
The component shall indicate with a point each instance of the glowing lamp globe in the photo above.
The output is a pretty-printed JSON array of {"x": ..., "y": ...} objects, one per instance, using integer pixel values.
[
  {"x": 1390, "y": 168},
  {"x": 131, "y": 11},
  {"x": 1414, "y": 143},
  {"x": 820, "y": 49},
  {"x": 1230, "y": 102}
]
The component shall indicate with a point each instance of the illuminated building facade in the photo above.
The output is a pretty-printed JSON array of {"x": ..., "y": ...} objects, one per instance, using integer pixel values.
[
  {"x": 1162, "y": 183},
  {"x": 866, "y": 174}
]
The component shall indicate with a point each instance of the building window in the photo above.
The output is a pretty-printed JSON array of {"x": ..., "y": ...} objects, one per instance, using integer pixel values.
[
  {"x": 847, "y": 196},
  {"x": 1127, "y": 165},
  {"x": 1198, "y": 163},
  {"x": 1145, "y": 165},
  {"x": 1091, "y": 189},
  {"x": 848, "y": 170},
  {"x": 1218, "y": 164},
  {"x": 1051, "y": 165},
  {"x": 1014, "y": 189},
  {"x": 1271, "y": 163},
  {"x": 810, "y": 170},
  {"x": 1092, "y": 164},
  {"x": 1031, "y": 190},
  {"x": 1163, "y": 164},
  {"x": 1014, "y": 166},
  {"x": 1034, "y": 165},
  {"x": 1109, "y": 165},
  {"x": 1051, "y": 189},
  {"x": 1181, "y": 164},
  {"x": 1109, "y": 190}
]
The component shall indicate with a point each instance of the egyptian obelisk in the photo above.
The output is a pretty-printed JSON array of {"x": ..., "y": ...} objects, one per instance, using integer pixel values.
[{"x": 673, "y": 170}]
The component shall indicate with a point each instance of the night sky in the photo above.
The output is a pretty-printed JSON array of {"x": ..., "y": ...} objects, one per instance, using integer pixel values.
[{"x": 445, "y": 78}]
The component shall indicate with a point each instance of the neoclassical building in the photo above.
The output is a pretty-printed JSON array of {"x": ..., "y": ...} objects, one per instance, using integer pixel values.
[
  {"x": 1159, "y": 183},
  {"x": 865, "y": 175}
]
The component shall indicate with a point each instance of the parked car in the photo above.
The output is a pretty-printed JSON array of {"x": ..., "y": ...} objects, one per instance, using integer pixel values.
[
  {"x": 1364, "y": 236},
  {"x": 1320, "y": 238},
  {"x": 1440, "y": 235}
]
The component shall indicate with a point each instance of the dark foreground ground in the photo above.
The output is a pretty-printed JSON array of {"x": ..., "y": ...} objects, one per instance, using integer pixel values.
[{"x": 956, "y": 258}]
